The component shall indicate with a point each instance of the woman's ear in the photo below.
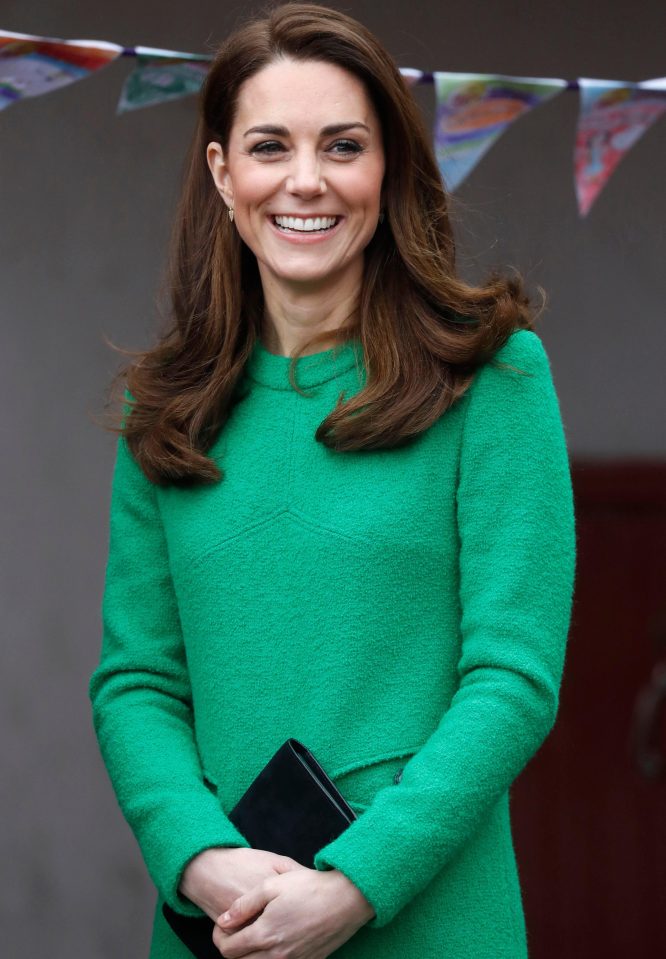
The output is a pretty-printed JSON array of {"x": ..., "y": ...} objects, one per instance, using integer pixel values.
[{"x": 220, "y": 172}]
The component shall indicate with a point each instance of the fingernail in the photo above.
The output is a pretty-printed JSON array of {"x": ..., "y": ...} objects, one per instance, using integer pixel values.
[{"x": 225, "y": 917}]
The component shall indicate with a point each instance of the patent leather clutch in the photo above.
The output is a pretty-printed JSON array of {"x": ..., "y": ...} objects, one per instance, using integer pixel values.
[{"x": 292, "y": 808}]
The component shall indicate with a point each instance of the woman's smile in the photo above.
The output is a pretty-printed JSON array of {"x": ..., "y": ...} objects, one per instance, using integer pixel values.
[{"x": 306, "y": 229}]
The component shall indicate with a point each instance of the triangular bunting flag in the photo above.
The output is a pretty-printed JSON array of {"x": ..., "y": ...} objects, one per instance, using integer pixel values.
[
  {"x": 613, "y": 117},
  {"x": 30, "y": 65},
  {"x": 162, "y": 75},
  {"x": 473, "y": 110}
]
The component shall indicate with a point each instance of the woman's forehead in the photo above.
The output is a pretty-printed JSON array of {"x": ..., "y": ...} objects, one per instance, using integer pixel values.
[{"x": 293, "y": 92}]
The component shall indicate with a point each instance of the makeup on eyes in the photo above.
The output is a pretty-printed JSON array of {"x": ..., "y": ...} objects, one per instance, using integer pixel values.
[{"x": 351, "y": 147}]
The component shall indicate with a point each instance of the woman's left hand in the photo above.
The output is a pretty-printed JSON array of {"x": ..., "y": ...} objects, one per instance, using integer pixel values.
[{"x": 300, "y": 914}]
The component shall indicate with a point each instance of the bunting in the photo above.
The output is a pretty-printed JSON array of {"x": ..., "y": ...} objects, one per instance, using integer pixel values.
[{"x": 472, "y": 109}]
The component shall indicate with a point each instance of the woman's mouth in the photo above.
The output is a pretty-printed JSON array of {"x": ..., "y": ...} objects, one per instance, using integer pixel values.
[{"x": 311, "y": 225}]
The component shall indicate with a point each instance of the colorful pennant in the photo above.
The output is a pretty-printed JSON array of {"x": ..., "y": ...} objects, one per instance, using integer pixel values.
[
  {"x": 613, "y": 117},
  {"x": 474, "y": 109},
  {"x": 30, "y": 66},
  {"x": 162, "y": 75}
]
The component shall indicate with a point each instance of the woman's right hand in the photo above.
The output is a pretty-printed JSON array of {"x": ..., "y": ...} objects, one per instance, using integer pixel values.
[{"x": 214, "y": 878}]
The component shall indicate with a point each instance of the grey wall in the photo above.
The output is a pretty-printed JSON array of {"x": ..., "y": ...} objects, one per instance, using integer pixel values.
[{"x": 86, "y": 203}]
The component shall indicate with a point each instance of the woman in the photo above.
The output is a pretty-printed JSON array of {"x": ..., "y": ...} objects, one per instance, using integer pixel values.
[{"x": 341, "y": 511}]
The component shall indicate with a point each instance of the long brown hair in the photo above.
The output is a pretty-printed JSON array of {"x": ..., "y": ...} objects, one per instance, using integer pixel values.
[{"x": 423, "y": 330}]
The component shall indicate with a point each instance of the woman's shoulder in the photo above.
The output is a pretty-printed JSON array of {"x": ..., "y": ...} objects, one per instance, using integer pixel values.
[
  {"x": 522, "y": 346},
  {"x": 522, "y": 356},
  {"x": 518, "y": 373}
]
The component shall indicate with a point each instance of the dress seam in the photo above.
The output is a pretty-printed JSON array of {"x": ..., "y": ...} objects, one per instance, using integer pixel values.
[{"x": 292, "y": 455}]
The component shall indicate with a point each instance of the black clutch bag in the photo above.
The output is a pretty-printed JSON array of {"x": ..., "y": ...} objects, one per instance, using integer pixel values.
[{"x": 292, "y": 808}]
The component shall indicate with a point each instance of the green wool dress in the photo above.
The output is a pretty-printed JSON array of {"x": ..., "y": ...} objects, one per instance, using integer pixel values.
[{"x": 402, "y": 609}]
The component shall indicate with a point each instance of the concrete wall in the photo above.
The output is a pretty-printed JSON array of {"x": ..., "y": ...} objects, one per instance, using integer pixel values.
[{"x": 86, "y": 203}]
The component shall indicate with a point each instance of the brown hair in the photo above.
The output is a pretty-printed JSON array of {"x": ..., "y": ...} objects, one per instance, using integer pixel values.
[{"x": 423, "y": 330}]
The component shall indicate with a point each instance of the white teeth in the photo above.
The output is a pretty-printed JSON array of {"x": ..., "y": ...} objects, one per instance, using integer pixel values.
[{"x": 306, "y": 226}]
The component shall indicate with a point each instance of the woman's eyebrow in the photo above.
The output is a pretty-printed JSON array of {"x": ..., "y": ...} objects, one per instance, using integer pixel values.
[{"x": 326, "y": 131}]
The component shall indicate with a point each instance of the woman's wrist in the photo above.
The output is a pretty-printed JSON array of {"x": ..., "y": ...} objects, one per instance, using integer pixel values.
[
  {"x": 362, "y": 909},
  {"x": 196, "y": 877}
]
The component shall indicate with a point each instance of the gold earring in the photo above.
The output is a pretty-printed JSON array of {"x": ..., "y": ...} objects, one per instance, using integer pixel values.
[{"x": 230, "y": 211}]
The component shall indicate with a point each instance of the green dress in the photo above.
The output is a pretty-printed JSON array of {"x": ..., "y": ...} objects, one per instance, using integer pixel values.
[{"x": 401, "y": 609}]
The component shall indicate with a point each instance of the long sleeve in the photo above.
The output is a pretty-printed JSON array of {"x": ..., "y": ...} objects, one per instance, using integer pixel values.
[
  {"x": 516, "y": 529},
  {"x": 141, "y": 697}
]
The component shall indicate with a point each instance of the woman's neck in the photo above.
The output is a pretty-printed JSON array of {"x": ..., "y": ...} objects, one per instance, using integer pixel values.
[{"x": 293, "y": 314}]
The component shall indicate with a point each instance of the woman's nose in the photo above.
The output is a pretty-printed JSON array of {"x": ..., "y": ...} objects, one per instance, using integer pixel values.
[{"x": 305, "y": 176}]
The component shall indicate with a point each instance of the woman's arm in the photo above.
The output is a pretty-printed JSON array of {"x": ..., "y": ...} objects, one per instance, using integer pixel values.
[
  {"x": 516, "y": 573},
  {"x": 141, "y": 699}
]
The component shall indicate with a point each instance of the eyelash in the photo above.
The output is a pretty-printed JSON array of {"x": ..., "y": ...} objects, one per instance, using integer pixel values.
[{"x": 260, "y": 147}]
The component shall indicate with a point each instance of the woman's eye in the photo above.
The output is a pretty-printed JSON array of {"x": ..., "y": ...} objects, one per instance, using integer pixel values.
[
  {"x": 268, "y": 146},
  {"x": 347, "y": 146}
]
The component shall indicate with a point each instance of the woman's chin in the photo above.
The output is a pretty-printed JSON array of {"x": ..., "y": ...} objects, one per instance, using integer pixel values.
[{"x": 306, "y": 274}]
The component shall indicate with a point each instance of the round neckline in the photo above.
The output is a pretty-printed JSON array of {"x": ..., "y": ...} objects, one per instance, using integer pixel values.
[{"x": 272, "y": 369}]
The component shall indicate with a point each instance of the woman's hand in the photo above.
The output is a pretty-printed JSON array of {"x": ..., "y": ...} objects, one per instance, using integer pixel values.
[
  {"x": 217, "y": 876},
  {"x": 301, "y": 914}
]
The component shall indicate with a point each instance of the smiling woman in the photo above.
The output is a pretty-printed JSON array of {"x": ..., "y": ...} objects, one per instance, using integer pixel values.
[{"x": 377, "y": 560}]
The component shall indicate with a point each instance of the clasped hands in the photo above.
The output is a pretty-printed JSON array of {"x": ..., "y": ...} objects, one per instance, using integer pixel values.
[{"x": 267, "y": 906}]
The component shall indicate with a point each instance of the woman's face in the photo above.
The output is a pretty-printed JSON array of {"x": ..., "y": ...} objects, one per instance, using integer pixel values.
[{"x": 303, "y": 172}]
